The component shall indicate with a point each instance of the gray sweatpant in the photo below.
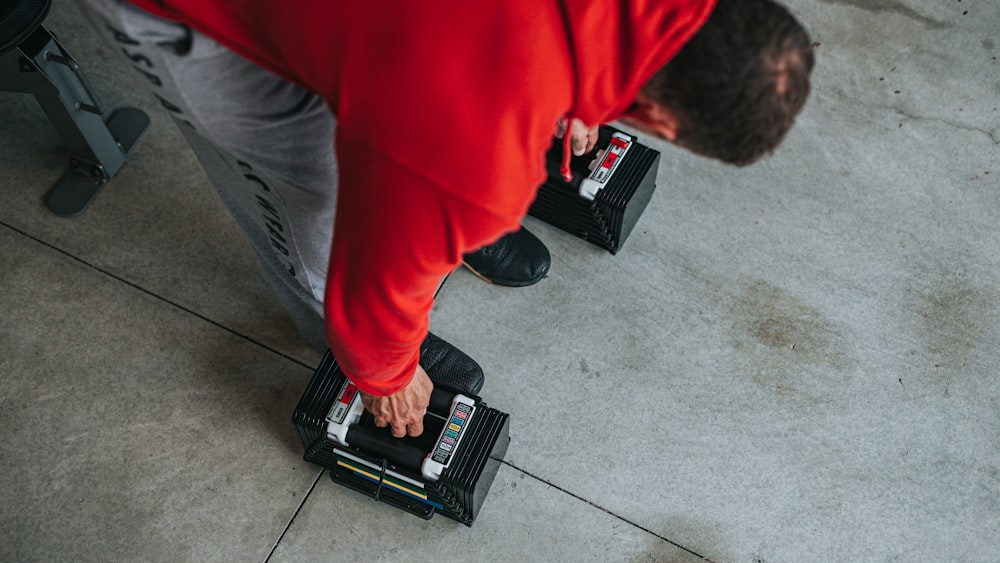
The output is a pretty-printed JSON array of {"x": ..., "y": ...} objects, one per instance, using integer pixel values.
[{"x": 266, "y": 145}]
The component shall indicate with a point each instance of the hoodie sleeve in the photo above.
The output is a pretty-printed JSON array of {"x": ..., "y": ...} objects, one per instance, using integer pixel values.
[{"x": 397, "y": 234}]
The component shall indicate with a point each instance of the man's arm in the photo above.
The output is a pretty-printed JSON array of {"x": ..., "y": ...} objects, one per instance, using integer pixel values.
[{"x": 396, "y": 235}]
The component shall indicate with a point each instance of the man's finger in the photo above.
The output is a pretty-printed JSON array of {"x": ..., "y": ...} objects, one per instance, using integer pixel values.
[
  {"x": 416, "y": 428},
  {"x": 584, "y": 138},
  {"x": 592, "y": 137},
  {"x": 560, "y": 128},
  {"x": 398, "y": 431}
]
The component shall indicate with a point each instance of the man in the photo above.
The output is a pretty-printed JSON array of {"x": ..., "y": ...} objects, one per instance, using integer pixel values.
[{"x": 441, "y": 114}]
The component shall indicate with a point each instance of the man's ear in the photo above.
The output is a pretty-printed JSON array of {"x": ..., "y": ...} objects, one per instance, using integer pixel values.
[{"x": 650, "y": 116}]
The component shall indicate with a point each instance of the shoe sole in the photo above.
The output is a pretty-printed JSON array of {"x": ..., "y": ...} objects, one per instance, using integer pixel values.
[{"x": 503, "y": 282}]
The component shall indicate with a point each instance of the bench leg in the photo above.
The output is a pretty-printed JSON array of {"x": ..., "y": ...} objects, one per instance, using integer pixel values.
[{"x": 98, "y": 149}]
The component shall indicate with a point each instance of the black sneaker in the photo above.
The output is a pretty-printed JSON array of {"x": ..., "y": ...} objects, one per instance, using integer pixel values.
[
  {"x": 450, "y": 366},
  {"x": 518, "y": 259}
]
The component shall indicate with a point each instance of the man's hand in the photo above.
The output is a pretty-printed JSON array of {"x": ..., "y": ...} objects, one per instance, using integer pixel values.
[
  {"x": 582, "y": 138},
  {"x": 403, "y": 410}
]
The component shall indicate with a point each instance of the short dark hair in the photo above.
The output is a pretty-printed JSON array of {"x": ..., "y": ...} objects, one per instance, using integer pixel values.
[{"x": 738, "y": 84}]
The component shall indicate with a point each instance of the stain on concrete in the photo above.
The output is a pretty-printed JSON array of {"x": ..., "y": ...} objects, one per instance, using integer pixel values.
[
  {"x": 783, "y": 340},
  {"x": 957, "y": 318},
  {"x": 587, "y": 371},
  {"x": 893, "y": 7},
  {"x": 780, "y": 322},
  {"x": 988, "y": 44}
]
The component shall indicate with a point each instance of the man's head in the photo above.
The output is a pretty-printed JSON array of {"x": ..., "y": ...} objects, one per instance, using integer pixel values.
[{"x": 734, "y": 89}]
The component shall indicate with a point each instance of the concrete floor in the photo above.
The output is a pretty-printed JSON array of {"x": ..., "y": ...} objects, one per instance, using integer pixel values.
[{"x": 792, "y": 362}]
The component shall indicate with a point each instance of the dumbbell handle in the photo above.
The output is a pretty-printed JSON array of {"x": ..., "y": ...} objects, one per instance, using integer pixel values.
[
  {"x": 380, "y": 444},
  {"x": 440, "y": 403}
]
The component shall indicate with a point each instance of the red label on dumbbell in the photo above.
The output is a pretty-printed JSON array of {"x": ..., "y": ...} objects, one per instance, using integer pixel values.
[{"x": 343, "y": 403}]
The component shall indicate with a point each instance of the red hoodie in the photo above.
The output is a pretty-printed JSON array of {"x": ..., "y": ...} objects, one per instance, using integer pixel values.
[{"x": 444, "y": 112}]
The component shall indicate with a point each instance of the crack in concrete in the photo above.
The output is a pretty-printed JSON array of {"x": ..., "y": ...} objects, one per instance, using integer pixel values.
[
  {"x": 893, "y": 6},
  {"x": 602, "y": 509},
  {"x": 991, "y": 134}
]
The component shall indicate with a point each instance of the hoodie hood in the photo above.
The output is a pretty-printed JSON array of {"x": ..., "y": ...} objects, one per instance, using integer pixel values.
[{"x": 640, "y": 36}]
